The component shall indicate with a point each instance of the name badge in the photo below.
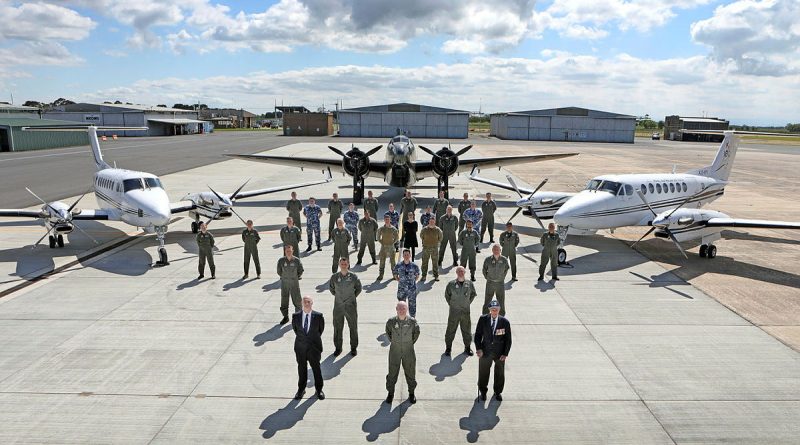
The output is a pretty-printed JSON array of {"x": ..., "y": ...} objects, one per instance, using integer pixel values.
[
  {"x": 396, "y": 325},
  {"x": 499, "y": 332}
]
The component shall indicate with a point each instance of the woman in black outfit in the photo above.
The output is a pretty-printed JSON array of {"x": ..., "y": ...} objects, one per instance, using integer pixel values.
[{"x": 410, "y": 233}]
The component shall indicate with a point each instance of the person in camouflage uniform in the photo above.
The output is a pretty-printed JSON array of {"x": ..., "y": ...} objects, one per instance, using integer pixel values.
[
  {"x": 345, "y": 286},
  {"x": 407, "y": 273},
  {"x": 291, "y": 235},
  {"x": 294, "y": 207},
  {"x": 341, "y": 244},
  {"x": 250, "y": 238},
  {"x": 495, "y": 268},
  {"x": 312, "y": 213},
  {"x": 388, "y": 237},
  {"x": 426, "y": 216},
  {"x": 459, "y": 294},
  {"x": 440, "y": 207},
  {"x": 449, "y": 225},
  {"x": 408, "y": 204},
  {"x": 394, "y": 215},
  {"x": 509, "y": 240},
  {"x": 468, "y": 239},
  {"x": 402, "y": 332},
  {"x": 290, "y": 271},
  {"x": 431, "y": 238},
  {"x": 550, "y": 242},
  {"x": 371, "y": 205},
  {"x": 488, "y": 207},
  {"x": 351, "y": 223},
  {"x": 335, "y": 208},
  {"x": 369, "y": 230},
  {"x": 205, "y": 247},
  {"x": 463, "y": 205},
  {"x": 474, "y": 214}
]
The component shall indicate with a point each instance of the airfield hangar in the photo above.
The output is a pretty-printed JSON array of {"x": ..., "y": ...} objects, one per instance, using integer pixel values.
[
  {"x": 420, "y": 121},
  {"x": 564, "y": 124},
  {"x": 674, "y": 124},
  {"x": 160, "y": 121}
]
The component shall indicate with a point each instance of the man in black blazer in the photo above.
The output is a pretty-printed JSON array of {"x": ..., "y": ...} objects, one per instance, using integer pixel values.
[
  {"x": 308, "y": 326},
  {"x": 492, "y": 344}
]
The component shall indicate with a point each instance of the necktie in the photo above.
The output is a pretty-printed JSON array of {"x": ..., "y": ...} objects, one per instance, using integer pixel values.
[
  {"x": 305, "y": 324},
  {"x": 494, "y": 326}
]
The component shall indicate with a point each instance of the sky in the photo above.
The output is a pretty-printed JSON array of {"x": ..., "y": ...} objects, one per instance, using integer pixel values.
[{"x": 738, "y": 60}]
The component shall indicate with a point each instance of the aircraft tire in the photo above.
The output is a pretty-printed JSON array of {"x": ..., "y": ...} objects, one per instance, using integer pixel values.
[
  {"x": 52, "y": 241},
  {"x": 60, "y": 240},
  {"x": 562, "y": 256},
  {"x": 712, "y": 251},
  {"x": 703, "y": 251}
]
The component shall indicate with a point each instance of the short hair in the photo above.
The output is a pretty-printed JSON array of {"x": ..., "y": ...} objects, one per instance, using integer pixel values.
[
  {"x": 461, "y": 269},
  {"x": 344, "y": 259},
  {"x": 312, "y": 198},
  {"x": 289, "y": 218},
  {"x": 249, "y": 221},
  {"x": 406, "y": 250},
  {"x": 509, "y": 223},
  {"x": 497, "y": 245}
]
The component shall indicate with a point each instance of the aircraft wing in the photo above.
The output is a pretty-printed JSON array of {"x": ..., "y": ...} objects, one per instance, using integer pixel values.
[
  {"x": 20, "y": 213},
  {"x": 280, "y": 188},
  {"x": 376, "y": 169},
  {"x": 424, "y": 169},
  {"x": 503, "y": 185},
  {"x": 181, "y": 206},
  {"x": 751, "y": 223}
]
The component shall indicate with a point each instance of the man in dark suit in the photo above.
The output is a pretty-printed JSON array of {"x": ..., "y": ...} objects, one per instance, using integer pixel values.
[
  {"x": 492, "y": 342},
  {"x": 308, "y": 326}
]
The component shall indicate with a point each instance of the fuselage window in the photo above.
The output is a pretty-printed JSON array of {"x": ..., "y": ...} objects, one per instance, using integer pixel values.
[
  {"x": 652, "y": 189},
  {"x": 685, "y": 188},
  {"x": 664, "y": 186},
  {"x": 643, "y": 188},
  {"x": 132, "y": 184},
  {"x": 671, "y": 187},
  {"x": 658, "y": 187},
  {"x": 152, "y": 183},
  {"x": 628, "y": 189}
]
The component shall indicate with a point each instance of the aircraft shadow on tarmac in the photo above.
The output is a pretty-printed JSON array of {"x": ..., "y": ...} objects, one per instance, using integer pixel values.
[
  {"x": 272, "y": 334},
  {"x": 286, "y": 417},
  {"x": 384, "y": 421},
  {"x": 482, "y": 417},
  {"x": 447, "y": 367}
]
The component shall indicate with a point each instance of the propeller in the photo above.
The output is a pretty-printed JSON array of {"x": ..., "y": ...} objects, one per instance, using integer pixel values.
[
  {"x": 231, "y": 199},
  {"x": 43, "y": 201},
  {"x": 665, "y": 228},
  {"x": 43, "y": 236},
  {"x": 526, "y": 202}
]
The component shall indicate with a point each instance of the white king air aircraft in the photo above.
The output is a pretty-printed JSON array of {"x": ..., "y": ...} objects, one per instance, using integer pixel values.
[
  {"x": 135, "y": 198},
  {"x": 670, "y": 204}
]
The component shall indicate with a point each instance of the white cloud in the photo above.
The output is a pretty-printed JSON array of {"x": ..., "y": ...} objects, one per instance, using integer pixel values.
[
  {"x": 42, "y": 21},
  {"x": 623, "y": 84},
  {"x": 756, "y": 37}
]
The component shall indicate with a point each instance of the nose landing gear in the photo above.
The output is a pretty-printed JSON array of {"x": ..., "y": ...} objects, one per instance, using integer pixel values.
[
  {"x": 708, "y": 251},
  {"x": 161, "y": 232}
]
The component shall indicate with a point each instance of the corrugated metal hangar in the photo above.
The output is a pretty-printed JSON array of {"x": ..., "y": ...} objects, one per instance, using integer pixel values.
[
  {"x": 564, "y": 124},
  {"x": 416, "y": 120},
  {"x": 674, "y": 124},
  {"x": 14, "y": 138},
  {"x": 161, "y": 121}
]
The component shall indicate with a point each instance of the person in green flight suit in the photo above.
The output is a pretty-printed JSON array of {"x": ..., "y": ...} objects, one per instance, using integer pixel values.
[
  {"x": 402, "y": 332},
  {"x": 335, "y": 207},
  {"x": 459, "y": 295},
  {"x": 345, "y": 286},
  {"x": 550, "y": 242},
  {"x": 468, "y": 238},
  {"x": 341, "y": 243},
  {"x": 250, "y": 237},
  {"x": 449, "y": 226},
  {"x": 205, "y": 247},
  {"x": 509, "y": 240},
  {"x": 290, "y": 272},
  {"x": 294, "y": 207},
  {"x": 495, "y": 269}
]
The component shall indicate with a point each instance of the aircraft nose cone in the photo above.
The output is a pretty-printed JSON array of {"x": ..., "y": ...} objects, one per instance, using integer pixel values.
[{"x": 565, "y": 215}]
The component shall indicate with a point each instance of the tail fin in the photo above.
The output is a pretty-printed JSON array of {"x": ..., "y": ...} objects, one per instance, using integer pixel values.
[
  {"x": 720, "y": 169},
  {"x": 99, "y": 163}
]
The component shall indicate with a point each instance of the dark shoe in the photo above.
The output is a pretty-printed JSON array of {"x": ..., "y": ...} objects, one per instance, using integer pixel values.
[
  {"x": 300, "y": 394},
  {"x": 358, "y": 263},
  {"x": 555, "y": 279},
  {"x": 258, "y": 277},
  {"x": 412, "y": 399},
  {"x": 455, "y": 264},
  {"x": 380, "y": 277},
  {"x": 468, "y": 352},
  {"x": 498, "y": 397},
  {"x": 477, "y": 249},
  {"x": 435, "y": 278},
  {"x": 319, "y": 249},
  {"x": 284, "y": 320},
  {"x": 200, "y": 277},
  {"x": 320, "y": 395},
  {"x": 337, "y": 352},
  {"x": 309, "y": 249},
  {"x": 353, "y": 352},
  {"x": 213, "y": 277},
  {"x": 440, "y": 264},
  {"x": 424, "y": 277},
  {"x": 481, "y": 395},
  {"x": 541, "y": 278},
  {"x": 374, "y": 262},
  {"x": 447, "y": 352},
  {"x": 514, "y": 279},
  {"x": 389, "y": 398},
  {"x": 472, "y": 277},
  {"x": 245, "y": 277}
]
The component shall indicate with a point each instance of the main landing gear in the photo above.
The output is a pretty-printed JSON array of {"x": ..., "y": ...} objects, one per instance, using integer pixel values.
[
  {"x": 708, "y": 251},
  {"x": 358, "y": 191},
  {"x": 443, "y": 186},
  {"x": 57, "y": 240}
]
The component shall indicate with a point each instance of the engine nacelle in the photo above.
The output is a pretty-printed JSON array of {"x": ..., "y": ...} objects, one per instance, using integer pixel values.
[
  {"x": 445, "y": 163},
  {"x": 356, "y": 163}
]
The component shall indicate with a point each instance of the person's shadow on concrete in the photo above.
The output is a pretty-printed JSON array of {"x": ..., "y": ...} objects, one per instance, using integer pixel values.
[
  {"x": 189, "y": 284},
  {"x": 480, "y": 419},
  {"x": 274, "y": 333},
  {"x": 236, "y": 284},
  {"x": 331, "y": 368},
  {"x": 325, "y": 286},
  {"x": 544, "y": 286},
  {"x": 425, "y": 286},
  {"x": 286, "y": 417},
  {"x": 447, "y": 367},
  {"x": 384, "y": 421},
  {"x": 377, "y": 285},
  {"x": 275, "y": 285},
  {"x": 383, "y": 340}
]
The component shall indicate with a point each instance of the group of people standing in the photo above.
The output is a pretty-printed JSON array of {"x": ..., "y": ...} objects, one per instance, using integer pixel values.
[{"x": 440, "y": 229}]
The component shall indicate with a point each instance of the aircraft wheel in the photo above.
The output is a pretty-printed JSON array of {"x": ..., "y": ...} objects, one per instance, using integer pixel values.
[
  {"x": 712, "y": 251},
  {"x": 52, "y": 241},
  {"x": 703, "y": 251},
  {"x": 195, "y": 228},
  {"x": 562, "y": 256},
  {"x": 162, "y": 256},
  {"x": 60, "y": 240}
]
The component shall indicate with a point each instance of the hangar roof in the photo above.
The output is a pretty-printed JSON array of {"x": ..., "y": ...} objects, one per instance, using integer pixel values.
[
  {"x": 36, "y": 122},
  {"x": 86, "y": 106},
  {"x": 402, "y": 107},
  {"x": 9, "y": 107},
  {"x": 574, "y": 111}
]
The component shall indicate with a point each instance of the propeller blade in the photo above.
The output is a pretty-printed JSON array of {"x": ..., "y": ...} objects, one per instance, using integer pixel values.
[
  {"x": 373, "y": 150},
  {"x": 41, "y": 200},
  {"x": 463, "y": 150},
  {"x": 76, "y": 202},
  {"x": 533, "y": 213},
  {"x": 644, "y": 200},
  {"x": 84, "y": 232},
  {"x": 233, "y": 195},
  {"x": 337, "y": 151},
  {"x": 685, "y": 201},
  {"x": 427, "y": 150},
  {"x": 43, "y": 236},
  {"x": 238, "y": 215},
  {"x": 677, "y": 244},
  {"x": 215, "y": 216},
  {"x": 513, "y": 184},
  {"x": 519, "y": 209},
  {"x": 643, "y": 236},
  {"x": 541, "y": 184},
  {"x": 215, "y": 193}
]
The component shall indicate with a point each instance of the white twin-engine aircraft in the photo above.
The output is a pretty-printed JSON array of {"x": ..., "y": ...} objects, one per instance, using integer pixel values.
[
  {"x": 670, "y": 204},
  {"x": 135, "y": 198}
]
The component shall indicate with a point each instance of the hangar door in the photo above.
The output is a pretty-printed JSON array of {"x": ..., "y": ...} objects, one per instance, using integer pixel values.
[{"x": 5, "y": 143}]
